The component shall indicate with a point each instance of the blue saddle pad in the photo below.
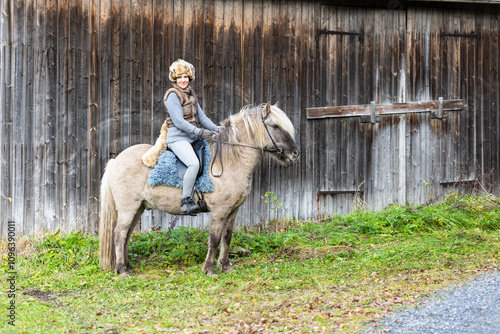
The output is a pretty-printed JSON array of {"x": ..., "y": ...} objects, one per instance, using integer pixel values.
[{"x": 165, "y": 172}]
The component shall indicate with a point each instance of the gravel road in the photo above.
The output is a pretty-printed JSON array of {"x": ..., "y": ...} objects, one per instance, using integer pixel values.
[{"x": 472, "y": 307}]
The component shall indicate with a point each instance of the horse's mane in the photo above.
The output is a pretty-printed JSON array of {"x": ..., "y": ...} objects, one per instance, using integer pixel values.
[{"x": 249, "y": 120}]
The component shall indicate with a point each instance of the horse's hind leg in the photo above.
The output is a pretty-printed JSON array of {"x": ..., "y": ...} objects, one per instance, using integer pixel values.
[
  {"x": 123, "y": 226},
  {"x": 223, "y": 263},
  {"x": 130, "y": 230}
]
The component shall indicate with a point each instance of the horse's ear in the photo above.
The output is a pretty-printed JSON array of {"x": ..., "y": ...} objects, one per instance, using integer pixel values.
[
  {"x": 267, "y": 110},
  {"x": 276, "y": 104}
]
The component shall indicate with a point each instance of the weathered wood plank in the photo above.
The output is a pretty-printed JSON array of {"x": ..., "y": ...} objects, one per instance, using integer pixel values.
[
  {"x": 492, "y": 84},
  {"x": 39, "y": 121},
  {"x": 68, "y": 212},
  {"x": 383, "y": 109},
  {"x": 93, "y": 127},
  {"x": 245, "y": 53},
  {"x": 218, "y": 65},
  {"x": 72, "y": 104},
  {"x": 105, "y": 47},
  {"x": 83, "y": 131},
  {"x": 6, "y": 131},
  {"x": 279, "y": 84},
  {"x": 227, "y": 66},
  {"x": 198, "y": 45},
  {"x": 125, "y": 60},
  {"x": 304, "y": 128},
  {"x": 135, "y": 61},
  {"x": 29, "y": 139},
  {"x": 146, "y": 75},
  {"x": 159, "y": 69},
  {"x": 207, "y": 56},
  {"x": 291, "y": 174},
  {"x": 265, "y": 90},
  {"x": 63, "y": 148},
  {"x": 51, "y": 204},
  {"x": 19, "y": 113},
  {"x": 115, "y": 112}
]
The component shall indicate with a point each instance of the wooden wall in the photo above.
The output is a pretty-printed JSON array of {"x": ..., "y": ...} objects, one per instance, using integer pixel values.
[{"x": 81, "y": 80}]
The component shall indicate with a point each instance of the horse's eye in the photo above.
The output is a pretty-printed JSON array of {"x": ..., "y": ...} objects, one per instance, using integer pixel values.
[{"x": 274, "y": 126}]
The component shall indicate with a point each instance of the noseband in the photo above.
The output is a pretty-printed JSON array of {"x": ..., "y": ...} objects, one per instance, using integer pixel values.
[{"x": 218, "y": 151}]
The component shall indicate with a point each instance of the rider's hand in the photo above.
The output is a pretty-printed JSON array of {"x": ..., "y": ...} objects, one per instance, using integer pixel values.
[{"x": 206, "y": 134}]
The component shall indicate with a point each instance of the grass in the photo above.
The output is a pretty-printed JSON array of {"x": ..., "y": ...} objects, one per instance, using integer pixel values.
[{"x": 336, "y": 275}]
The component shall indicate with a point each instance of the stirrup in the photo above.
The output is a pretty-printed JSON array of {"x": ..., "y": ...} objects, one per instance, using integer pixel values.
[{"x": 188, "y": 207}]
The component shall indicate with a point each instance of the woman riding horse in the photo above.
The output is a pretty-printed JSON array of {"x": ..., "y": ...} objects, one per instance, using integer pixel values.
[
  {"x": 126, "y": 193},
  {"x": 186, "y": 122}
]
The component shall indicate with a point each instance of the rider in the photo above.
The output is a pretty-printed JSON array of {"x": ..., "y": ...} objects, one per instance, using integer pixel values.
[{"x": 186, "y": 123}]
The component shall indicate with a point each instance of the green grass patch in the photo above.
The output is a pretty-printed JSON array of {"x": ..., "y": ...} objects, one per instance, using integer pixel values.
[{"x": 337, "y": 275}]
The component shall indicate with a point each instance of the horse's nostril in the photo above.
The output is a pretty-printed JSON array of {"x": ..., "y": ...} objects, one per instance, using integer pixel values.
[{"x": 295, "y": 153}]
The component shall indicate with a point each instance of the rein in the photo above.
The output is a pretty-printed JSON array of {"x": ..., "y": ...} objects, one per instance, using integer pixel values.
[{"x": 218, "y": 151}]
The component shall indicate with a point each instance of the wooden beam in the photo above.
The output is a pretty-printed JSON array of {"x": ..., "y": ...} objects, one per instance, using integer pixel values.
[
  {"x": 383, "y": 109},
  {"x": 462, "y": 182},
  {"x": 339, "y": 192}
]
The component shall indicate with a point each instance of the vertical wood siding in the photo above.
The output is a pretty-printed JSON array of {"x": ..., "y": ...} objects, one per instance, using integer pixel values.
[{"x": 81, "y": 80}]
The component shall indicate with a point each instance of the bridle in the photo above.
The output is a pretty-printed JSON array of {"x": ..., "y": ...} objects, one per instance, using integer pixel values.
[
  {"x": 218, "y": 151},
  {"x": 276, "y": 149}
]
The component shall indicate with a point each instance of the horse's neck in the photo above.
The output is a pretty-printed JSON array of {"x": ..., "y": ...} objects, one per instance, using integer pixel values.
[
  {"x": 242, "y": 162},
  {"x": 249, "y": 159}
]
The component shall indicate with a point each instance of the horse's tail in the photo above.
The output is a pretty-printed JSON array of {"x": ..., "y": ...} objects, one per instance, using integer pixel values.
[{"x": 107, "y": 221}]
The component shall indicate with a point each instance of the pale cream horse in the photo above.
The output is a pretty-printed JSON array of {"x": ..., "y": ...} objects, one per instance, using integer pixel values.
[{"x": 125, "y": 192}]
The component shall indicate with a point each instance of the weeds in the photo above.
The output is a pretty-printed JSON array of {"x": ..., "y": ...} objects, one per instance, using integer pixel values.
[{"x": 185, "y": 246}]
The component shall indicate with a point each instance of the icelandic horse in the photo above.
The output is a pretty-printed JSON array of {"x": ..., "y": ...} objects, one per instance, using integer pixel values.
[{"x": 243, "y": 140}]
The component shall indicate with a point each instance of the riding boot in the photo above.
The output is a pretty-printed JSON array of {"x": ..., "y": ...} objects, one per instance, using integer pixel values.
[{"x": 188, "y": 207}]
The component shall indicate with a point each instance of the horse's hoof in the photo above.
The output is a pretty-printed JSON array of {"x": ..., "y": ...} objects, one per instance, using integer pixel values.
[
  {"x": 209, "y": 271},
  {"x": 121, "y": 270},
  {"x": 225, "y": 268},
  {"x": 228, "y": 269}
]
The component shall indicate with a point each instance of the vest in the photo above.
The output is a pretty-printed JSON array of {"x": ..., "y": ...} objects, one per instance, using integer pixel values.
[{"x": 189, "y": 103}]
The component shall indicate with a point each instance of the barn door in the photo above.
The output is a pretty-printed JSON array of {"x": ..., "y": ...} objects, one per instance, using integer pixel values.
[
  {"x": 340, "y": 78},
  {"x": 458, "y": 80},
  {"x": 388, "y": 57},
  {"x": 444, "y": 44},
  {"x": 360, "y": 57}
]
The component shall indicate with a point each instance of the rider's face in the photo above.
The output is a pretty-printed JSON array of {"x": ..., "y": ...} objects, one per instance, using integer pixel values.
[{"x": 183, "y": 80}]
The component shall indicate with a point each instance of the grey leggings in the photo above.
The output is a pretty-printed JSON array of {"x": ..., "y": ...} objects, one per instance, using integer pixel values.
[{"x": 184, "y": 151}]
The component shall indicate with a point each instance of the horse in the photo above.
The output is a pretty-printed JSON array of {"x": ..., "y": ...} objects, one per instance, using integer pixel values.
[{"x": 243, "y": 140}]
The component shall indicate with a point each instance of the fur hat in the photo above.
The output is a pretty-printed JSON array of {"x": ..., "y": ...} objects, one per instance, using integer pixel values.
[{"x": 179, "y": 67}]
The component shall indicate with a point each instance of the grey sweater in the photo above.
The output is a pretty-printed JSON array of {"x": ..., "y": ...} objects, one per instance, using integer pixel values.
[{"x": 184, "y": 130}]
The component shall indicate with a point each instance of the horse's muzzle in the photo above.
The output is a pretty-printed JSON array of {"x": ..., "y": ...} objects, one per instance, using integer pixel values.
[{"x": 290, "y": 157}]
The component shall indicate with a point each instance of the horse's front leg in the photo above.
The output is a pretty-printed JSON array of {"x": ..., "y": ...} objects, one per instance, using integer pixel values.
[
  {"x": 216, "y": 227},
  {"x": 223, "y": 263}
]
